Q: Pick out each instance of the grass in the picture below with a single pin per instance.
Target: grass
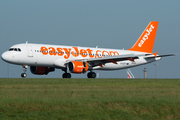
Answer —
(64, 99)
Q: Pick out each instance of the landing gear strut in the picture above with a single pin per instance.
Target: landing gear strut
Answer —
(91, 75)
(23, 75)
(66, 75)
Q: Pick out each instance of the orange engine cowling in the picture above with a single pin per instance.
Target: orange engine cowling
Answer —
(41, 70)
(78, 67)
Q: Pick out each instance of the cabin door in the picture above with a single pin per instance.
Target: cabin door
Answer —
(30, 51)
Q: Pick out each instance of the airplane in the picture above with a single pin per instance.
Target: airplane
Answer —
(45, 58)
(129, 74)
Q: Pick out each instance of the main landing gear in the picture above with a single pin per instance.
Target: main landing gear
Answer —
(23, 75)
(91, 75)
(66, 75)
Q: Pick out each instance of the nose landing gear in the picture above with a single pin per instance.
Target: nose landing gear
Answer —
(24, 75)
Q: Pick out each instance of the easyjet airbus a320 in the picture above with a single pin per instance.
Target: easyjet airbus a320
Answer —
(44, 58)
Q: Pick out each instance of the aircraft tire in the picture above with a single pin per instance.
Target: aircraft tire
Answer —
(23, 75)
(66, 75)
(91, 75)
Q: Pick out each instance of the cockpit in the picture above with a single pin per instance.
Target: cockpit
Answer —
(15, 49)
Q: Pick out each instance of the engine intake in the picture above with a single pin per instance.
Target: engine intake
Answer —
(41, 70)
(78, 67)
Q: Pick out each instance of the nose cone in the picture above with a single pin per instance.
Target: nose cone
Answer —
(5, 56)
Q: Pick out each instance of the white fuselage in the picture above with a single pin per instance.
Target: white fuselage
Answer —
(57, 56)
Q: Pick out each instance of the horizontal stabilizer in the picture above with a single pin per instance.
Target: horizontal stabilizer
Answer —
(162, 55)
(167, 55)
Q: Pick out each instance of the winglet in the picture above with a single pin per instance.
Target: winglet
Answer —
(145, 42)
(155, 54)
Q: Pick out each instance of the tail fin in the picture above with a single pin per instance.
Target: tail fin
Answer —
(145, 42)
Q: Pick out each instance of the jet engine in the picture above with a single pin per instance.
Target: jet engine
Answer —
(41, 70)
(78, 67)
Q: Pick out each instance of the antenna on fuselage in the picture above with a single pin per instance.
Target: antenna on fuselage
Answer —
(26, 42)
(96, 46)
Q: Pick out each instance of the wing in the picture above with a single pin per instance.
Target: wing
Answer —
(114, 59)
(111, 59)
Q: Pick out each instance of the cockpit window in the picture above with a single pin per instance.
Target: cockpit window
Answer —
(15, 49)
(11, 49)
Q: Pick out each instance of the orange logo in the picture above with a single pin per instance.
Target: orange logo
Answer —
(145, 37)
(74, 51)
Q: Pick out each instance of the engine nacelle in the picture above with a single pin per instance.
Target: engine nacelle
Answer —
(41, 70)
(78, 67)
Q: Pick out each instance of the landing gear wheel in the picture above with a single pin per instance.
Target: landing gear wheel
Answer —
(91, 75)
(23, 75)
(66, 75)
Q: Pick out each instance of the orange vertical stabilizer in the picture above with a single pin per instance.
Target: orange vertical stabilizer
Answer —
(145, 42)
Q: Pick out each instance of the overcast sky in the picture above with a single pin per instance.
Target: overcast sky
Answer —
(107, 24)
